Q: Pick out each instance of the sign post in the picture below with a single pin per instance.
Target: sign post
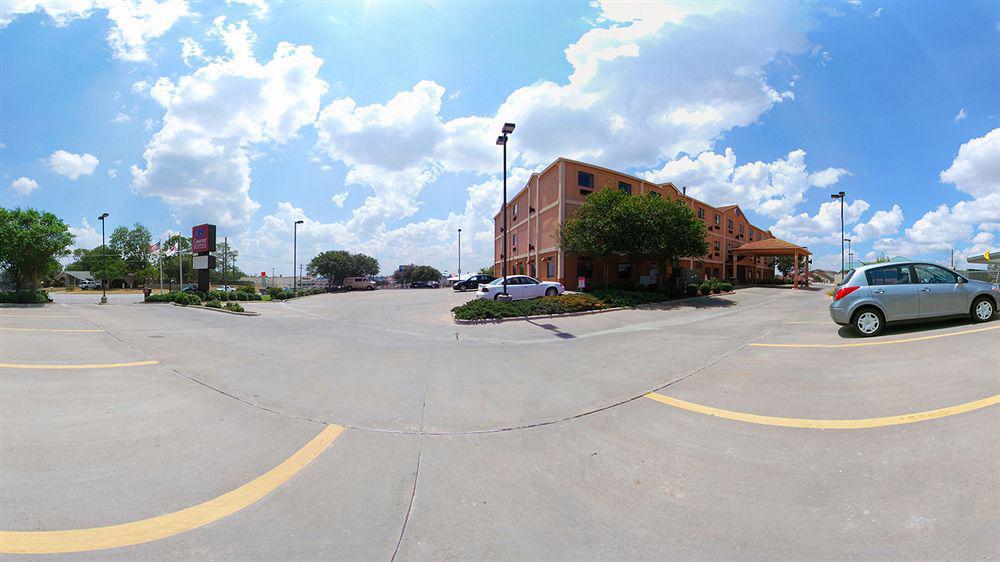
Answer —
(203, 242)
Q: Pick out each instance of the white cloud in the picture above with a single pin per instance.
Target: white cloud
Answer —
(821, 228)
(121, 118)
(85, 235)
(134, 22)
(24, 185)
(72, 165)
(191, 51)
(976, 172)
(961, 115)
(141, 87)
(771, 188)
(221, 115)
(880, 224)
(112, 173)
(260, 7)
(340, 198)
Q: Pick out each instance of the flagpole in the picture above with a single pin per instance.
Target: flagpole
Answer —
(159, 253)
(180, 254)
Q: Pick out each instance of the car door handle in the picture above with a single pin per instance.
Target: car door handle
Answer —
(925, 290)
(879, 291)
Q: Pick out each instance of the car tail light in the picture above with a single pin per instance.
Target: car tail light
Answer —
(844, 291)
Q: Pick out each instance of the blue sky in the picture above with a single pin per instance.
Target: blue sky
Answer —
(374, 122)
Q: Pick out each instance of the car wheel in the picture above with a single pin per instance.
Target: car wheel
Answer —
(496, 297)
(348, 288)
(463, 288)
(551, 292)
(868, 322)
(982, 309)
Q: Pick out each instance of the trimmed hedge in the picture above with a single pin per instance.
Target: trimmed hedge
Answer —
(479, 309)
(213, 304)
(175, 296)
(234, 307)
(24, 297)
(618, 297)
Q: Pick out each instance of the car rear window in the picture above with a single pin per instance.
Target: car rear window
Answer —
(847, 277)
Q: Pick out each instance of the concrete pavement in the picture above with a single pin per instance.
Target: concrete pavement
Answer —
(520, 440)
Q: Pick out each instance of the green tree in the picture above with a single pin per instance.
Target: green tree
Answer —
(29, 240)
(404, 275)
(612, 222)
(424, 273)
(488, 270)
(334, 265)
(225, 254)
(84, 259)
(171, 264)
(132, 246)
(108, 265)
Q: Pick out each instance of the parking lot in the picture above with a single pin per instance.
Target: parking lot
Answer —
(369, 426)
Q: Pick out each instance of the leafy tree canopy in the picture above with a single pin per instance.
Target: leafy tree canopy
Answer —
(337, 264)
(29, 240)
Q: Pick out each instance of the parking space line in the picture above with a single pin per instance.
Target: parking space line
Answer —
(90, 366)
(864, 423)
(870, 343)
(5, 328)
(170, 524)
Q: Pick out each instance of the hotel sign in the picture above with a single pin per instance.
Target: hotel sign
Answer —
(203, 239)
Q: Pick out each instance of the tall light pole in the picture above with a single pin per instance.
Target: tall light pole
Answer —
(295, 243)
(460, 253)
(508, 128)
(104, 255)
(840, 196)
(850, 255)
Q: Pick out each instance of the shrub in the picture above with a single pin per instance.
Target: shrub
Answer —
(184, 299)
(705, 289)
(283, 295)
(478, 309)
(214, 304)
(235, 307)
(716, 289)
(618, 297)
(692, 290)
(249, 289)
(274, 291)
(24, 297)
(726, 286)
(676, 292)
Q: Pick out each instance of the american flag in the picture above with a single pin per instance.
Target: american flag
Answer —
(154, 248)
(173, 249)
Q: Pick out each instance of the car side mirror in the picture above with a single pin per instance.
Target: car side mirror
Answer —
(962, 280)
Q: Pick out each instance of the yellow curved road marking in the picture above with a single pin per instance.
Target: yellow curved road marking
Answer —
(879, 342)
(46, 330)
(91, 366)
(163, 526)
(864, 423)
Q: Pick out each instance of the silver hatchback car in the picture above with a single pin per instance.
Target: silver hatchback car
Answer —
(875, 294)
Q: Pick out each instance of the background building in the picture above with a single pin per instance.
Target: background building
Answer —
(536, 212)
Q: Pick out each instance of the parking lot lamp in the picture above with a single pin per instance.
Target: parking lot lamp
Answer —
(850, 254)
(295, 243)
(460, 253)
(508, 128)
(104, 256)
(840, 196)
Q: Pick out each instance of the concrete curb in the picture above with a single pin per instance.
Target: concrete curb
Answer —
(584, 313)
(213, 309)
(23, 304)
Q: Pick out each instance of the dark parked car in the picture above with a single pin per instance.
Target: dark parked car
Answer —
(189, 288)
(472, 282)
(418, 285)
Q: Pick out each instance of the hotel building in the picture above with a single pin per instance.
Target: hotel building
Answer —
(536, 212)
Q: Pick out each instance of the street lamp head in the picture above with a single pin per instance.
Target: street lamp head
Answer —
(460, 230)
(299, 222)
(102, 217)
(501, 140)
(508, 128)
(837, 195)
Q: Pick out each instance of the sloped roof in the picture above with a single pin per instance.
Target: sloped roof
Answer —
(776, 246)
(79, 274)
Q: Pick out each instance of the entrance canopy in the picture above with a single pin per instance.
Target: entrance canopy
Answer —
(773, 247)
(984, 258)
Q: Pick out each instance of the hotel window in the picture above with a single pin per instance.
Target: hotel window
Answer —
(701, 213)
(624, 271)
(718, 220)
(751, 234)
(729, 224)
(515, 211)
(655, 194)
(583, 179)
(513, 240)
(551, 269)
(625, 187)
(716, 245)
(741, 229)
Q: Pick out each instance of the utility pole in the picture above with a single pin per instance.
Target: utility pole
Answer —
(225, 256)
(508, 128)
(840, 195)
(460, 253)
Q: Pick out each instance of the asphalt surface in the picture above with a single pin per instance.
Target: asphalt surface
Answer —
(369, 426)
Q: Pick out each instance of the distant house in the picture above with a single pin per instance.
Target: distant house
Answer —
(74, 277)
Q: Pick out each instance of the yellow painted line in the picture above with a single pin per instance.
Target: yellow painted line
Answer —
(45, 330)
(864, 423)
(91, 366)
(879, 342)
(163, 526)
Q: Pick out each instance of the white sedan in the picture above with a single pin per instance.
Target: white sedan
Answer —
(520, 287)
